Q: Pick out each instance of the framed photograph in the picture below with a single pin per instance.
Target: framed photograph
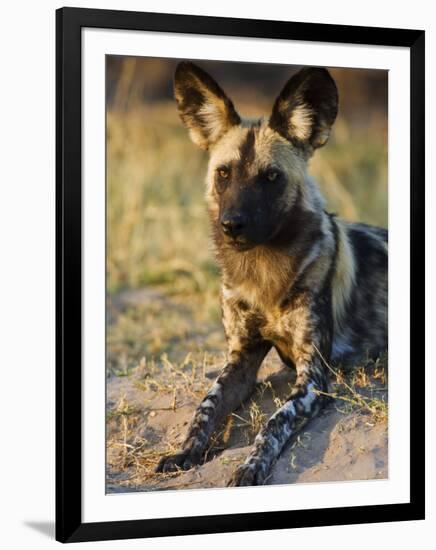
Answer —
(240, 345)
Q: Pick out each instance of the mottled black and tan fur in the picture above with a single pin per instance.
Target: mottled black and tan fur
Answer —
(294, 277)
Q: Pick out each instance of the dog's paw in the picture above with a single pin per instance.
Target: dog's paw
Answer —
(183, 460)
(249, 473)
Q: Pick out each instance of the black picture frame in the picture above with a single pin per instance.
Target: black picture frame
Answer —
(69, 22)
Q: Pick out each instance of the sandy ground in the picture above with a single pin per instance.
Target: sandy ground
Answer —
(149, 411)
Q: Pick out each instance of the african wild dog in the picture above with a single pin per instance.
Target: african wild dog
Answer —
(294, 277)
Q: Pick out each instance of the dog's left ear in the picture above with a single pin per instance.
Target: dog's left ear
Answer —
(306, 108)
(203, 106)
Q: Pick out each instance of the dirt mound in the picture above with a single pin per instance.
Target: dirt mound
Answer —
(149, 410)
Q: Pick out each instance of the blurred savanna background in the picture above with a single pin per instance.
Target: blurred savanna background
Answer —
(165, 343)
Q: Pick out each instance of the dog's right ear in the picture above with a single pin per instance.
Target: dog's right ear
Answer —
(203, 106)
(306, 108)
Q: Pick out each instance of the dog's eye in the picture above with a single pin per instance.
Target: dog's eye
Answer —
(272, 174)
(223, 172)
(223, 178)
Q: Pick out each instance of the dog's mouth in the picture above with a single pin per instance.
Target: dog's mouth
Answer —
(240, 244)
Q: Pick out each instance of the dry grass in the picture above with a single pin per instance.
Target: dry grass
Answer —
(361, 388)
(155, 201)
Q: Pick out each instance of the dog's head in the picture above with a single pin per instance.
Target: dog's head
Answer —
(257, 171)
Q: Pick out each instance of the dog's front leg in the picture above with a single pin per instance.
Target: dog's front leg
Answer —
(234, 384)
(303, 404)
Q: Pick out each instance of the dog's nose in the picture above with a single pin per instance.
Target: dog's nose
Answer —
(233, 225)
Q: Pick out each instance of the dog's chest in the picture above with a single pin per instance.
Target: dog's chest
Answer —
(274, 326)
(283, 327)
(266, 314)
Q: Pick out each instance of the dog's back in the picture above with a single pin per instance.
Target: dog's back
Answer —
(361, 330)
